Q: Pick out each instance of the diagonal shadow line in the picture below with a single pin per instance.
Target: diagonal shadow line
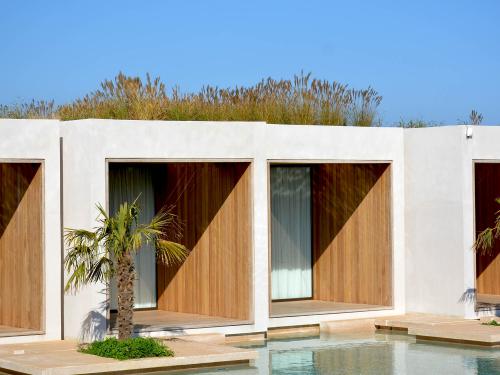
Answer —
(15, 179)
(197, 192)
(333, 201)
(185, 191)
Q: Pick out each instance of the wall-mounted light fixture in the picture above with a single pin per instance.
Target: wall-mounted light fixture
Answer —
(468, 131)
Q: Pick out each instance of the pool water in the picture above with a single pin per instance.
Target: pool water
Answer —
(368, 353)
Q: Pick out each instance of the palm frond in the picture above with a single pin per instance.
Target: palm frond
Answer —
(136, 240)
(102, 212)
(85, 262)
(91, 254)
(81, 236)
(101, 270)
(485, 240)
(149, 231)
(170, 253)
(77, 278)
(168, 223)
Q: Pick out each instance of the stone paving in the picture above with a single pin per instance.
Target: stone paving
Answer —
(443, 328)
(62, 358)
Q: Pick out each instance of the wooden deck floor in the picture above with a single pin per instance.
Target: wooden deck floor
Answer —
(160, 320)
(312, 307)
(7, 331)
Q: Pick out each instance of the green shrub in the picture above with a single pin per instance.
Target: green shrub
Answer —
(492, 322)
(137, 347)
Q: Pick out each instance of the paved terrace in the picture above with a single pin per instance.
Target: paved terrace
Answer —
(62, 358)
(443, 328)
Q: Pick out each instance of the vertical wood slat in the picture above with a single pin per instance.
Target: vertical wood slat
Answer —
(213, 201)
(487, 189)
(352, 251)
(21, 247)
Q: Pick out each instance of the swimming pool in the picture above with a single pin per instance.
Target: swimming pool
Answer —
(366, 353)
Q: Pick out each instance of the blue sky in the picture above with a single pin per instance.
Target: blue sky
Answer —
(431, 60)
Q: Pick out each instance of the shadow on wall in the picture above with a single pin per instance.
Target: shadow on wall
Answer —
(94, 326)
(338, 191)
(197, 191)
(21, 245)
(145, 329)
(210, 200)
(352, 233)
(469, 296)
(15, 179)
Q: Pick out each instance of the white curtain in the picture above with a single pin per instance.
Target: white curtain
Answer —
(291, 275)
(126, 183)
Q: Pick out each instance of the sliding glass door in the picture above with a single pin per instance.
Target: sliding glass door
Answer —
(291, 262)
(126, 183)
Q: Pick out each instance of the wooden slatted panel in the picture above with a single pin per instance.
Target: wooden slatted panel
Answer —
(352, 252)
(21, 249)
(213, 200)
(487, 189)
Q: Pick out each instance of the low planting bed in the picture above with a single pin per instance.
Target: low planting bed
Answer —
(492, 322)
(133, 348)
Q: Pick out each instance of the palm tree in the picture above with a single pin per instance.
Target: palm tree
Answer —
(98, 255)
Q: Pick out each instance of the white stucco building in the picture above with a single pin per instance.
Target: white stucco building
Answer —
(287, 225)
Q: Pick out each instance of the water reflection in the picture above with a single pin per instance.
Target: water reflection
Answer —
(362, 354)
(365, 354)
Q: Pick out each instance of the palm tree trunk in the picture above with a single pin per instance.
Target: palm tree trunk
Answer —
(125, 283)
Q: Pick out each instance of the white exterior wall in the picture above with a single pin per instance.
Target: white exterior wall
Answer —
(27, 140)
(432, 201)
(440, 274)
(439, 197)
(88, 143)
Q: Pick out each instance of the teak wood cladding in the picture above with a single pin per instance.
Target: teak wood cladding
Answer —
(487, 189)
(213, 201)
(21, 248)
(352, 252)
